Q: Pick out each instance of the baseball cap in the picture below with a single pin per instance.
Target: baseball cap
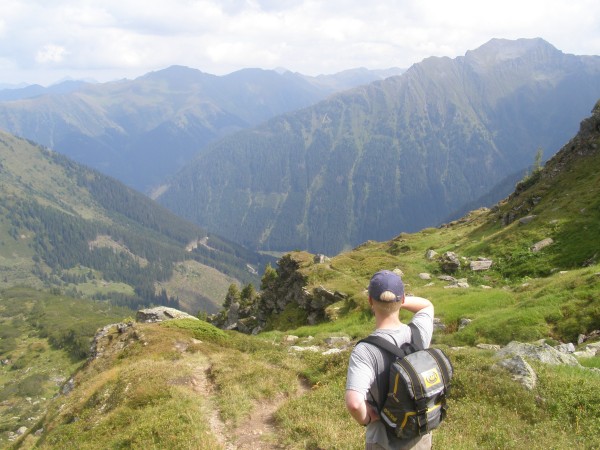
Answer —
(385, 280)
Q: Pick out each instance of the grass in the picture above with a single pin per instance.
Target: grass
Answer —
(36, 368)
(142, 396)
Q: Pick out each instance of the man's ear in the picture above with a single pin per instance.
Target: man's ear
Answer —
(403, 298)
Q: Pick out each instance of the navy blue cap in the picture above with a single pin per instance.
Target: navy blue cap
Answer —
(386, 280)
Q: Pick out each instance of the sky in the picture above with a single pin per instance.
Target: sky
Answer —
(45, 41)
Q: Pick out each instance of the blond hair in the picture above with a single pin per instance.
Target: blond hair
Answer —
(387, 303)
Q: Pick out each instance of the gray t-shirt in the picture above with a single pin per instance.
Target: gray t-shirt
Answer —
(367, 363)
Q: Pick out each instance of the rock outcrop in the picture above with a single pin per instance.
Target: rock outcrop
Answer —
(160, 314)
(514, 356)
(539, 352)
(286, 288)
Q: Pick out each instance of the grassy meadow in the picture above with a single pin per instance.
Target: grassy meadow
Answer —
(147, 396)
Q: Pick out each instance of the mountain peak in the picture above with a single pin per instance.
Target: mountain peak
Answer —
(497, 51)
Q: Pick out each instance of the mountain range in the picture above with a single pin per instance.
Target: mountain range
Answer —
(398, 154)
(140, 131)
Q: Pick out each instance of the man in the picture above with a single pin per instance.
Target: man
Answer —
(368, 363)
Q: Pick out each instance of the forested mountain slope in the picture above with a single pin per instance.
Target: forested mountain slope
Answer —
(396, 155)
(71, 228)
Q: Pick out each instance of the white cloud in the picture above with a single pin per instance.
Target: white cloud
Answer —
(50, 53)
(116, 38)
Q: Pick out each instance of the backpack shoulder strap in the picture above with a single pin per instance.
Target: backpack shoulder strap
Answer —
(416, 343)
(384, 344)
(415, 337)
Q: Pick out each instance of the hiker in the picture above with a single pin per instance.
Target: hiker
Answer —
(369, 365)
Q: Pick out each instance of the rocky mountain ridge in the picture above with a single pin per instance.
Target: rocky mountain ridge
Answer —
(399, 154)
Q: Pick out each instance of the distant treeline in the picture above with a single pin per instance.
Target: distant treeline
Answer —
(61, 240)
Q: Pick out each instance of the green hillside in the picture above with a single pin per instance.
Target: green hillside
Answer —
(67, 227)
(185, 384)
(43, 339)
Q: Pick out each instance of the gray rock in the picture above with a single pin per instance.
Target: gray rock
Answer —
(337, 340)
(488, 347)
(525, 220)
(586, 353)
(296, 348)
(463, 323)
(542, 352)
(447, 278)
(321, 259)
(520, 371)
(541, 244)
(565, 348)
(332, 351)
(424, 276)
(430, 254)
(233, 314)
(67, 387)
(481, 264)
(160, 314)
(450, 262)
(438, 325)
(398, 272)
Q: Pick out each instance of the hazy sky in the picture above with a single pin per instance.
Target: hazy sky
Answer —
(43, 41)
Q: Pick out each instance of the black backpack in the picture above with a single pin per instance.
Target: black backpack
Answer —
(413, 398)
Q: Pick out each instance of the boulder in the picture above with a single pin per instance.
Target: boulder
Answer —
(488, 347)
(233, 314)
(160, 314)
(337, 340)
(297, 348)
(520, 371)
(450, 262)
(525, 220)
(247, 324)
(424, 276)
(398, 272)
(463, 323)
(541, 244)
(481, 264)
(539, 352)
(321, 259)
(332, 351)
(438, 325)
(447, 278)
(430, 254)
(565, 348)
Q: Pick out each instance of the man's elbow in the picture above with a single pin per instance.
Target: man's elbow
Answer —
(354, 401)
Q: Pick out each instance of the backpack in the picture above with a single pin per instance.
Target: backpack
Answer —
(413, 399)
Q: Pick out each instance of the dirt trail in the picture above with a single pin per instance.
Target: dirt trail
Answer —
(257, 432)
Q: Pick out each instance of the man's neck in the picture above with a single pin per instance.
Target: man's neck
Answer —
(387, 322)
